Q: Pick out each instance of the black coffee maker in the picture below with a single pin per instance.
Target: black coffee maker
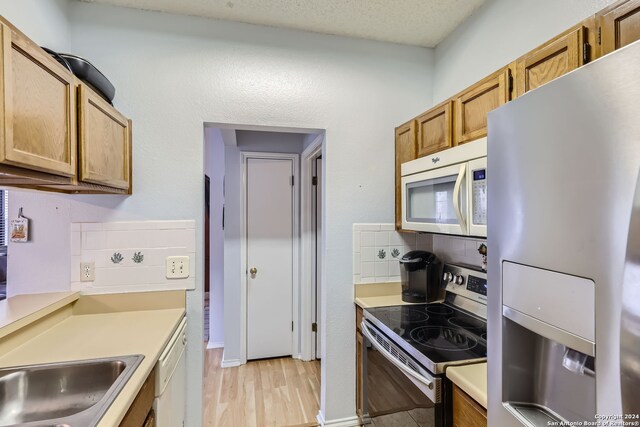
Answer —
(420, 273)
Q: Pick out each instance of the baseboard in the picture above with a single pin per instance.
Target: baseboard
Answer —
(342, 422)
(230, 363)
(219, 344)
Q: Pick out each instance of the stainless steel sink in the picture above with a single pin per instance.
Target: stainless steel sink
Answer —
(63, 394)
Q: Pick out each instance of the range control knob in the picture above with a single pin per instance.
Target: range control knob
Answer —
(459, 280)
(447, 277)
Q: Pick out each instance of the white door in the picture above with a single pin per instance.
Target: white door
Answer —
(270, 237)
(319, 252)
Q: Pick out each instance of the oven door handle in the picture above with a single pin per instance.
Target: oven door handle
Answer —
(404, 368)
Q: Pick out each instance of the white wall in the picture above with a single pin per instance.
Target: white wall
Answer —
(214, 168)
(173, 73)
(45, 22)
(498, 33)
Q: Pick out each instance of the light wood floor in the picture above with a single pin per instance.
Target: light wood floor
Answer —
(273, 392)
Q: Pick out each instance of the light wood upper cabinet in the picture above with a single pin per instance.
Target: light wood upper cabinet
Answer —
(37, 108)
(618, 25)
(435, 129)
(472, 105)
(105, 143)
(405, 152)
(551, 60)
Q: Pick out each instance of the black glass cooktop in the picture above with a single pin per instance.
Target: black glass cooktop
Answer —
(437, 331)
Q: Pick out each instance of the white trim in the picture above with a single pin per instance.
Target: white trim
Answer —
(451, 156)
(230, 363)
(308, 250)
(295, 309)
(217, 344)
(342, 422)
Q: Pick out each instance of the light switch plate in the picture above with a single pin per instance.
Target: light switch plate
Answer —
(177, 267)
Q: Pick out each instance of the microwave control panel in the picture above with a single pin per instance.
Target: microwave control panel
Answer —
(479, 197)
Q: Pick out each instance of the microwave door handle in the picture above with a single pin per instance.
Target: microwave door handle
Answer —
(456, 196)
(408, 371)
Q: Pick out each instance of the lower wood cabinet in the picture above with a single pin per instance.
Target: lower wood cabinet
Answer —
(406, 151)
(359, 365)
(151, 420)
(466, 411)
(618, 25)
(142, 406)
(472, 105)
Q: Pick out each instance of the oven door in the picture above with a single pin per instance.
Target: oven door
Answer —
(398, 391)
(436, 200)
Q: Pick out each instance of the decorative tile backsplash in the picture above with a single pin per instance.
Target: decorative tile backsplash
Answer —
(131, 256)
(377, 249)
(458, 249)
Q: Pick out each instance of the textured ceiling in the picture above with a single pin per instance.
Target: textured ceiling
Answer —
(413, 22)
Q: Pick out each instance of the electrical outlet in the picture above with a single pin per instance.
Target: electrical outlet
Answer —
(87, 272)
(177, 267)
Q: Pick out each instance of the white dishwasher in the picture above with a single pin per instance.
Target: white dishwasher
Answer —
(169, 404)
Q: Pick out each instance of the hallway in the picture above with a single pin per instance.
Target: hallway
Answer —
(271, 392)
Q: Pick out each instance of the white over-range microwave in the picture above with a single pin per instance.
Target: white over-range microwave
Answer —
(447, 192)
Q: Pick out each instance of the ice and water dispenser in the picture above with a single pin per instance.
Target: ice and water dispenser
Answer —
(548, 345)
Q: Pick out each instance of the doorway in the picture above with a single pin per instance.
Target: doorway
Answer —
(271, 251)
(225, 147)
(317, 277)
(231, 151)
(207, 254)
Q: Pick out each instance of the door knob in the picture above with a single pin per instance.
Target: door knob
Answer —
(253, 271)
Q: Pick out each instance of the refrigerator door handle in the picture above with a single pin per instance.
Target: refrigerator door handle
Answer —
(630, 315)
(456, 197)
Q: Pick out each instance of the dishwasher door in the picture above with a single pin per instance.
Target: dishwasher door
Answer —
(169, 404)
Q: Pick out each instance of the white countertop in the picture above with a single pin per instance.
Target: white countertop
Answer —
(97, 327)
(472, 379)
(369, 295)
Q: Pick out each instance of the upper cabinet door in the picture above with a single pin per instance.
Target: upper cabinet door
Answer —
(551, 60)
(105, 142)
(435, 129)
(405, 152)
(475, 102)
(618, 25)
(37, 106)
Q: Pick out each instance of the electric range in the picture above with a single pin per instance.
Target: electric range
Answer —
(436, 334)
(407, 349)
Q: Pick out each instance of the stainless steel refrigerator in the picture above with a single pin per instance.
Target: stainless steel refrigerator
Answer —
(564, 249)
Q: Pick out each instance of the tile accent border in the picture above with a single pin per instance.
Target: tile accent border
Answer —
(377, 249)
(131, 256)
